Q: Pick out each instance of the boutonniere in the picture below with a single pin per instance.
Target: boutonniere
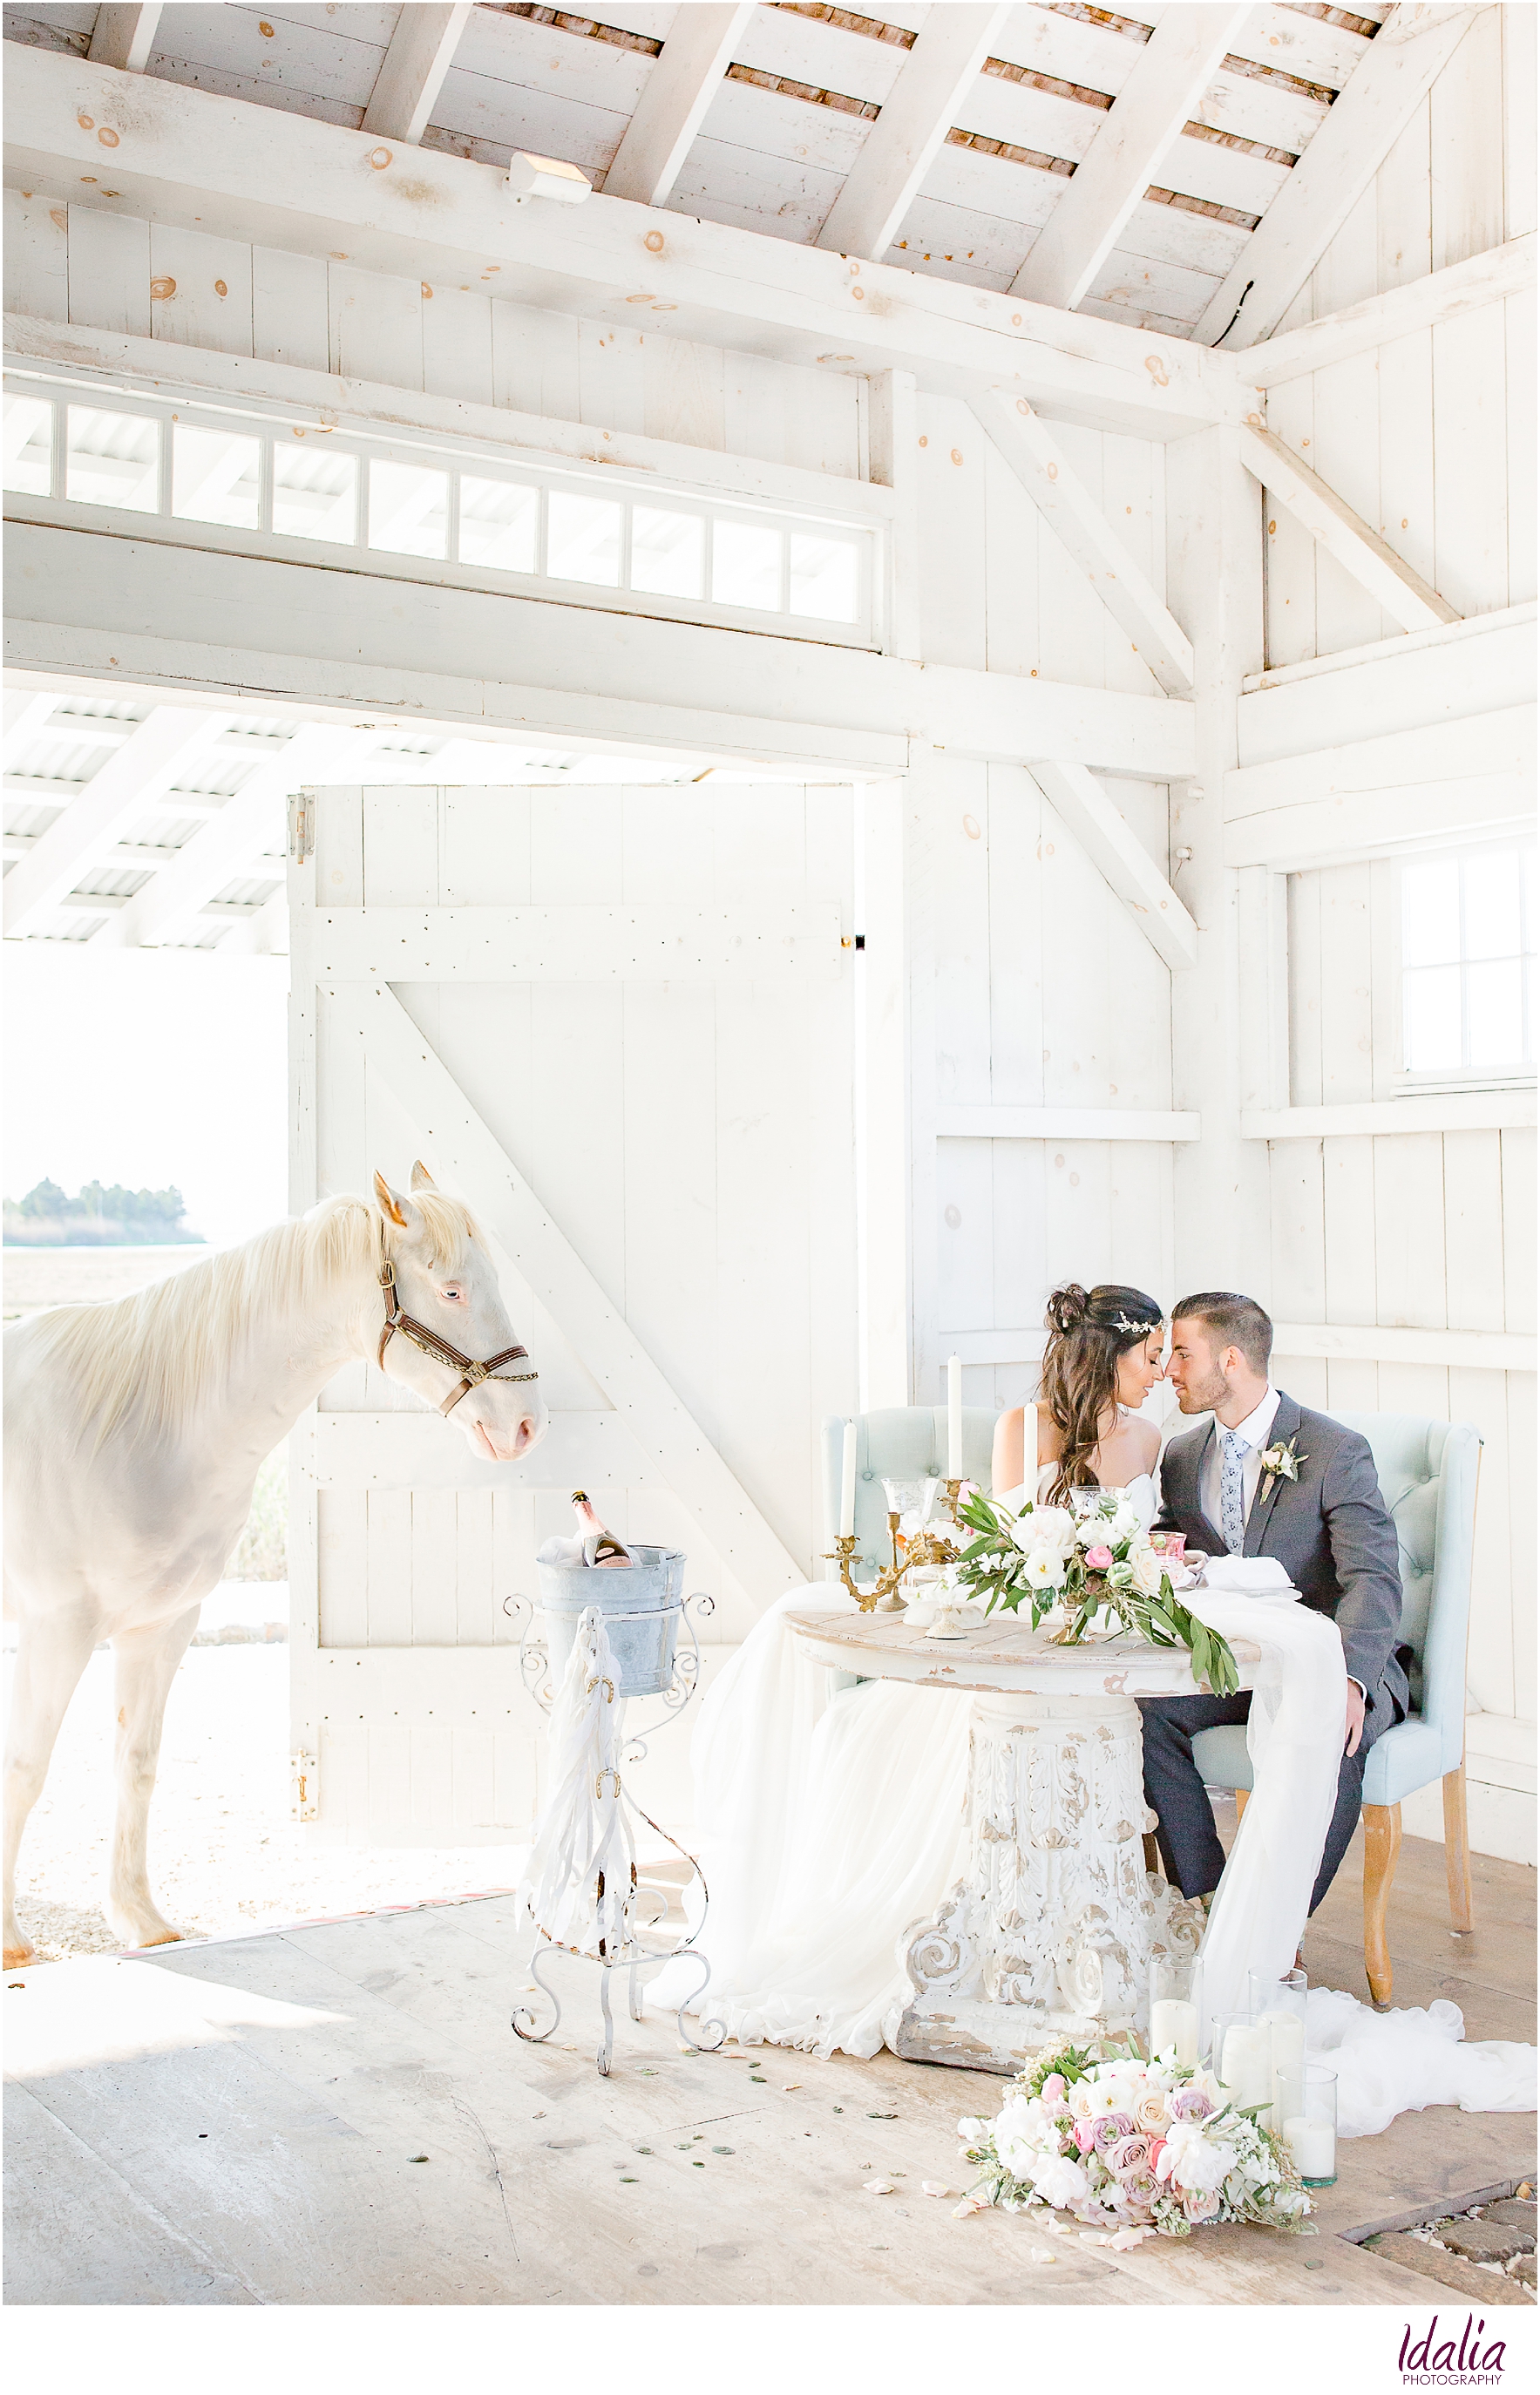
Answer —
(1281, 1462)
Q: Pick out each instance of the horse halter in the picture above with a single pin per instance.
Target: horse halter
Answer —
(429, 1343)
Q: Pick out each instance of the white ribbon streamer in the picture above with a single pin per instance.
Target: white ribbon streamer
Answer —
(578, 1882)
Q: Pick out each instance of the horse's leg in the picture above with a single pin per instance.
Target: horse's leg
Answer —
(147, 1662)
(50, 1657)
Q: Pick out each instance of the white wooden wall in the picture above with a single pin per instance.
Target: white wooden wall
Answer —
(1431, 438)
(122, 274)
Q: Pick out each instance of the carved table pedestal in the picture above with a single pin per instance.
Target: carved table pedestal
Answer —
(1050, 1932)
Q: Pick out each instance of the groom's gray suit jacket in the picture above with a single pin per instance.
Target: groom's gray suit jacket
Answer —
(1329, 1530)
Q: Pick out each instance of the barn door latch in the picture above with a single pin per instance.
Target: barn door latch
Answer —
(302, 825)
(304, 1788)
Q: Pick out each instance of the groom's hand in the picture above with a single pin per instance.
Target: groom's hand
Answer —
(1354, 1718)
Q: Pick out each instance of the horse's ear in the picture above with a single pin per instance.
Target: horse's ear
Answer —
(390, 1204)
(421, 1177)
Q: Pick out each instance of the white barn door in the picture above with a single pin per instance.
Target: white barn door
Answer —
(618, 1022)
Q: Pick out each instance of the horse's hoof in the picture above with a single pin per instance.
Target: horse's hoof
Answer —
(165, 1937)
(17, 1956)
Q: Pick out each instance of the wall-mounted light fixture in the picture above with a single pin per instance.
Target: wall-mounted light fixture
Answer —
(546, 179)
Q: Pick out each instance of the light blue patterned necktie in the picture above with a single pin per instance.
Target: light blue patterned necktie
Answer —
(1232, 1501)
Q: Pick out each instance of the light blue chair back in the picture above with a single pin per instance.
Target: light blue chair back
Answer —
(907, 1443)
(1426, 1473)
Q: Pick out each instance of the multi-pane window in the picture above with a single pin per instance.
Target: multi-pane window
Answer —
(1469, 922)
(711, 555)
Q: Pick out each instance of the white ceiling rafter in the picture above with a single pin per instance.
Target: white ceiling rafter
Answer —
(1028, 446)
(681, 83)
(1166, 88)
(943, 65)
(125, 37)
(1406, 598)
(1370, 113)
(421, 52)
(163, 912)
(128, 785)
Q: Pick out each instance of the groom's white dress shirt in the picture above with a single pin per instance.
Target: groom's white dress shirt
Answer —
(1256, 1431)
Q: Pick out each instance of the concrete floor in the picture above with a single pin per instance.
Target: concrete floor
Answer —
(339, 2115)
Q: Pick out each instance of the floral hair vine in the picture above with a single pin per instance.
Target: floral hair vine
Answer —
(1134, 1329)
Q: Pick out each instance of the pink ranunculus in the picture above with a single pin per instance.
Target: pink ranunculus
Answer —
(1189, 2104)
(1113, 2126)
(1053, 2086)
(1098, 1559)
(1157, 2148)
(1086, 2134)
(1201, 2203)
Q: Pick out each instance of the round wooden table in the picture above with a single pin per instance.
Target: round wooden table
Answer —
(1050, 1932)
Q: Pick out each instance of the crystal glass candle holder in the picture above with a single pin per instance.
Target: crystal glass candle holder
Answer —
(1306, 2119)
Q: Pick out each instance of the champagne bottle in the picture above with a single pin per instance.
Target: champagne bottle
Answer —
(600, 1548)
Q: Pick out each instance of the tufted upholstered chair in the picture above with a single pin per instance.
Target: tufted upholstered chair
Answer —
(1427, 1473)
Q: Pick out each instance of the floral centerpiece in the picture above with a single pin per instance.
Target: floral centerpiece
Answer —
(1141, 2149)
(1093, 1561)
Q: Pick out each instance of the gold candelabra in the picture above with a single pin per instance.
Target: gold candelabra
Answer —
(929, 1547)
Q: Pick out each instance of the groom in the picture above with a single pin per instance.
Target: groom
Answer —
(1319, 1515)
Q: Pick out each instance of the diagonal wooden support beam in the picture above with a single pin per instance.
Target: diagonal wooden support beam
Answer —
(1435, 299)
(681, 85)
(1166, 88)
(1123, 862)
(1415, 605)
(1034, 457)
(421, 52)
(131, 780)
(945, 60)
(1368, 115)
(461, 1150)
(125, 37)
(167, 905)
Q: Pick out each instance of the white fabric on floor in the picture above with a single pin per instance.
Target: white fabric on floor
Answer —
(1403, 2061)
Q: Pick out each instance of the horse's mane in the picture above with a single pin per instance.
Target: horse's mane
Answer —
(153, 1355)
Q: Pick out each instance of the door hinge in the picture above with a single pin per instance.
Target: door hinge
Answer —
(302, 825)
(304, 1788)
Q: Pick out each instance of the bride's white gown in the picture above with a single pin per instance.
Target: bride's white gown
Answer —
(829, 1825)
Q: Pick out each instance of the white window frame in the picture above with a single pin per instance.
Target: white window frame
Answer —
(270, 421)
(1398, 1080)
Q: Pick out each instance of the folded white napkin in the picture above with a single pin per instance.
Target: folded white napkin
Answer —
(1248, 1576)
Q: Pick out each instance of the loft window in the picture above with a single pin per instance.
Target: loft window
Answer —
(1468, 966)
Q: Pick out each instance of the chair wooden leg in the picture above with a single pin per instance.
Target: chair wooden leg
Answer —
(1382, 1837)
(1241, 1796)
(1457, 1851)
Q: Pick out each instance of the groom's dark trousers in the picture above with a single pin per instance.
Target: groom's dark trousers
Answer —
(1330, 1532)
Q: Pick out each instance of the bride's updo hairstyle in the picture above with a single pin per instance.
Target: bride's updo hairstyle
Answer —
(1088, 1330)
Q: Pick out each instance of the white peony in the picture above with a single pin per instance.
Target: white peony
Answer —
(1054, 1526)
(1060, 2181)
(1046, 1568)
(1192, 2161)
(1124, 1522)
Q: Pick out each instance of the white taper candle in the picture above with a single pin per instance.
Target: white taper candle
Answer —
(954, 1417)
(847, 1483)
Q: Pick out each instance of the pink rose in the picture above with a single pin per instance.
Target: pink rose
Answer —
(1086, 2134)
(1053, 2086)
(1129, 2157)
(1201, 2203)
(1152, 2161)
(1098, 1559)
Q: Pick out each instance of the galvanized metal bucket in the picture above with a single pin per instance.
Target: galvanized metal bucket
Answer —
(641, 1607)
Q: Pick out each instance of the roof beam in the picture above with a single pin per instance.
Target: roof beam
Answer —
(945, 60)
(681, 85)
(160, 912)
(421, 52)
(293, 183)
(1435, 299)
(125, 37)
(1165, 88)
(1034, 457)
(1368, 115)
(129, 782)
(26, 713)
(1123, 862)
(1372, 563)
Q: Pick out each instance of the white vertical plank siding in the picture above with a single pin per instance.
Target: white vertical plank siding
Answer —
(200, 290)
(375, 326)
(289, 321)
(109, 271)
(37, 255)
(456, 344)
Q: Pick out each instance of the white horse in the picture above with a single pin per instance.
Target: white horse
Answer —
(134, 1431)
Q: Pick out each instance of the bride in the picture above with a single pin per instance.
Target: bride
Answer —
(831, 1825)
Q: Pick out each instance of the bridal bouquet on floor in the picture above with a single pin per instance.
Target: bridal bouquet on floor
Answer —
(1093, 1561)
(1133, 2147)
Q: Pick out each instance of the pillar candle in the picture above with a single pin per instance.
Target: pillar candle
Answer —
(847, 1483)
(954, 1417)
(1313, 2146)
(1286, 2030)
(1247, 2070)
(1174, 2022)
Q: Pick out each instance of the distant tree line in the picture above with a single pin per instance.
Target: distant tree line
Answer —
(97, 1217)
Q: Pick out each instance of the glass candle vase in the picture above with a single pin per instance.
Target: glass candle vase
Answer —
(1174, 1996)
(1242, 2061)
(1307, 2107)
(1278, 2005)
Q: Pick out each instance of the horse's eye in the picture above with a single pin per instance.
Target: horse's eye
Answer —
(453, 1296)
